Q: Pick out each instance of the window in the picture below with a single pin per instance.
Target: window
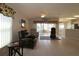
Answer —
(5, 30)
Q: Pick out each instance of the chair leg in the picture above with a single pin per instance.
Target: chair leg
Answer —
(9, 51)
(22, 51)
(14, 53)
(18, 52)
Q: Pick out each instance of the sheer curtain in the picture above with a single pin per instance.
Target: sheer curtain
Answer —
(5, 30)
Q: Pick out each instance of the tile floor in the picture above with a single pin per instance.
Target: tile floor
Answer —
(64, 47)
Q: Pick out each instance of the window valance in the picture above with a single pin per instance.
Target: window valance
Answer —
(6, 10)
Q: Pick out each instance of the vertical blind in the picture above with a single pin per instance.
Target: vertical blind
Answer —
(5, 30)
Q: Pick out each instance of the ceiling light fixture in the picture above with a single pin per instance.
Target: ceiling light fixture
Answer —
(43, 15)
(76, 16)
(70, 18)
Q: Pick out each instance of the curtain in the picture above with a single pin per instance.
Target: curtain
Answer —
(5, 30)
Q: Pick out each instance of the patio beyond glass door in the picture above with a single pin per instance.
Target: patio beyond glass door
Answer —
(44, 28)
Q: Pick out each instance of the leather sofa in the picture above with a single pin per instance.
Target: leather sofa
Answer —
(27, 39)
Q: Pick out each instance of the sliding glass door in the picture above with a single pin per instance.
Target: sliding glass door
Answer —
(44, 28)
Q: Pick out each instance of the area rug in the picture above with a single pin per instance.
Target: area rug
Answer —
(47, 38)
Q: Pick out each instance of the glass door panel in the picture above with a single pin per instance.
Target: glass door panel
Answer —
(44, 28)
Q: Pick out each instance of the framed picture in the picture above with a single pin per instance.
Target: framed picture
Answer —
(23, 23)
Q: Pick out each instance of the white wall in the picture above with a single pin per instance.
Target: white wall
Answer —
(72, 34)
(16, 26)
(67, 25)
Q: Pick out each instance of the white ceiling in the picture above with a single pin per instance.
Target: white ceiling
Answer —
(50, 9)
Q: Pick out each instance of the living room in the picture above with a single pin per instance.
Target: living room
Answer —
(27, 16)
